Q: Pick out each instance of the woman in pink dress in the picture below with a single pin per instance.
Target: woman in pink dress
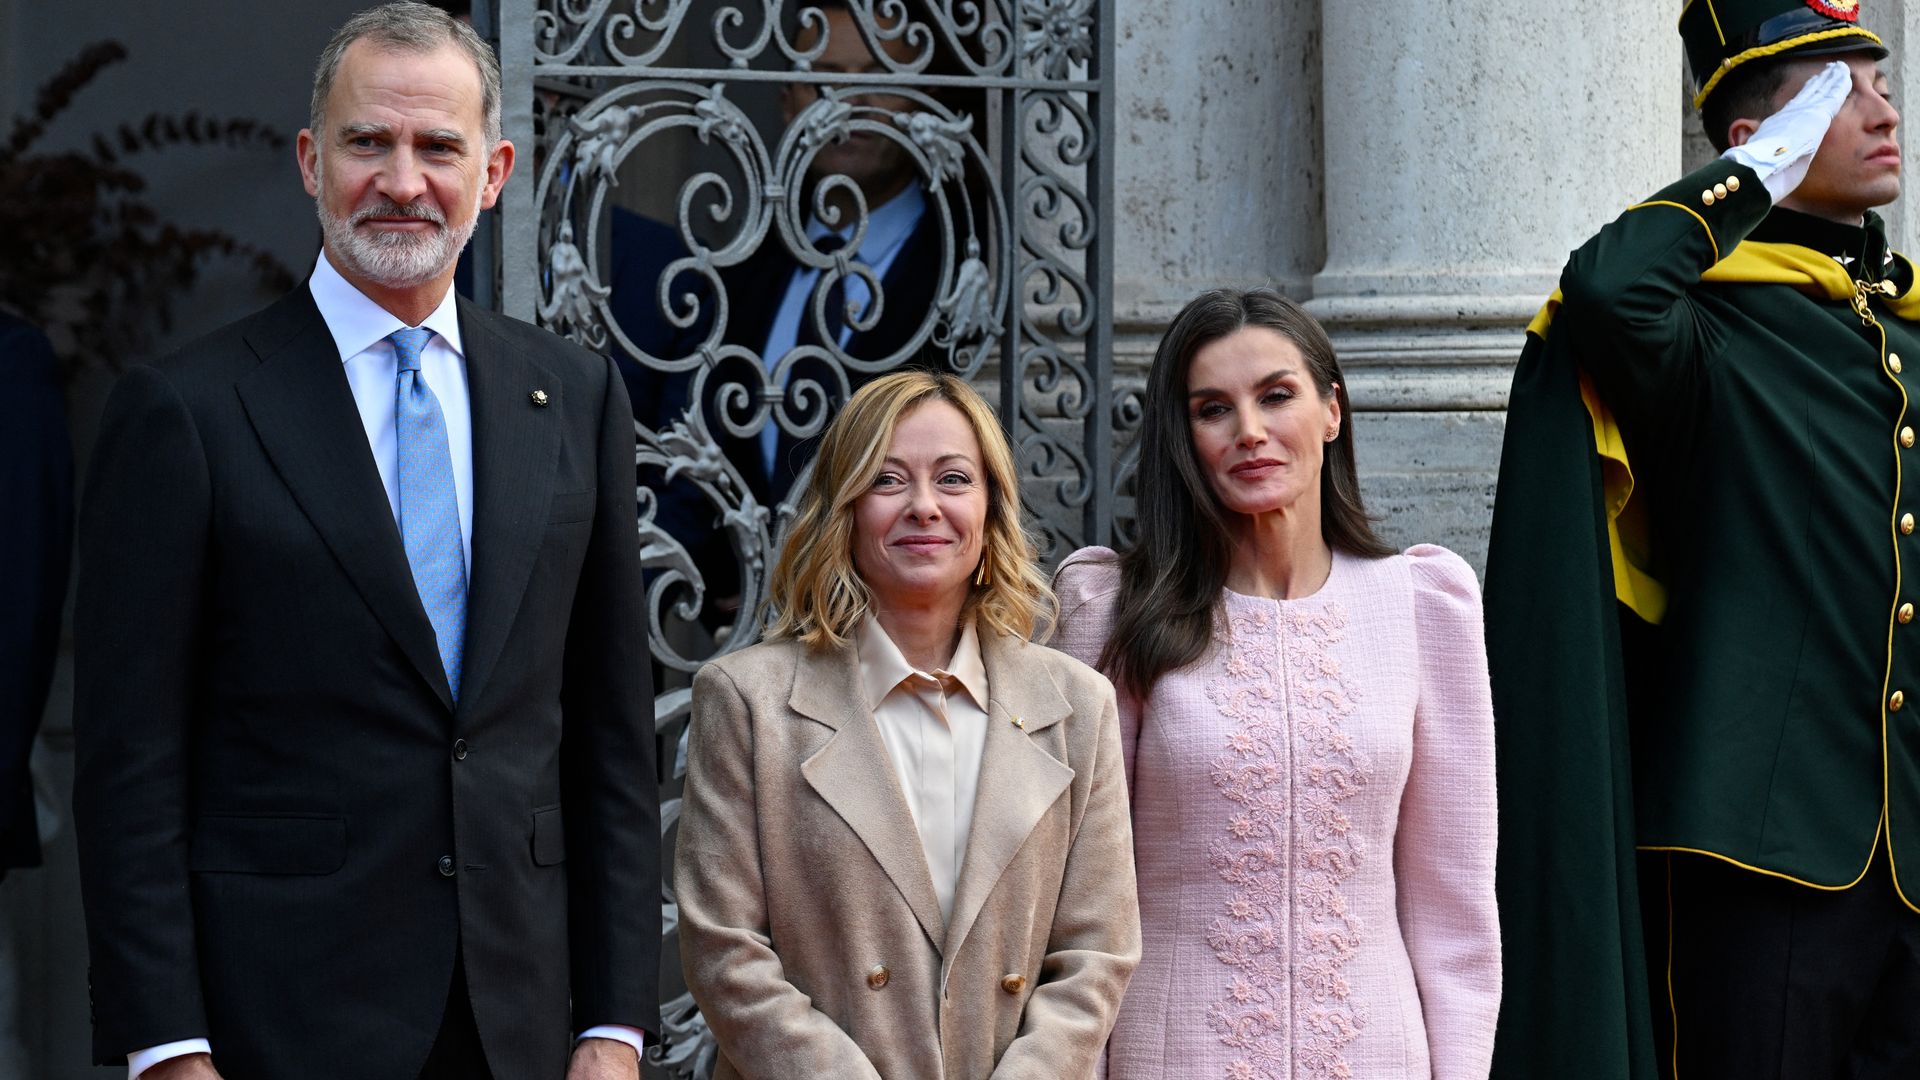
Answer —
(1307, 734)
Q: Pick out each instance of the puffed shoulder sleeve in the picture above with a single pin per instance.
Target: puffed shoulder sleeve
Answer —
(1444, 849)
(1087, 585)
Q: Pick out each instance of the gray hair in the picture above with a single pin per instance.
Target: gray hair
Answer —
(408, 27)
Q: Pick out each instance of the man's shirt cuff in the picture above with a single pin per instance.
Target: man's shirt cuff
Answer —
(632, 1036)
(148, 1058)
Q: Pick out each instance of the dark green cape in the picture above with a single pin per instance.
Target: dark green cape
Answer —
(1575, 1004)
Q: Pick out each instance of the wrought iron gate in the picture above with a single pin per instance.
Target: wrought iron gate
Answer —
(654, 142)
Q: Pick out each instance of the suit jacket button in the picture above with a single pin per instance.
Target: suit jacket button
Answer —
(1013, 984)
(459, 749)
(446, 866)
(878, 977)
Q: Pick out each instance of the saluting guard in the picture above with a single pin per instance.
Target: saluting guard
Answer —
(1701, 594)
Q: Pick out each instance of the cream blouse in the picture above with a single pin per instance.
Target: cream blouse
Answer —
(935, 727)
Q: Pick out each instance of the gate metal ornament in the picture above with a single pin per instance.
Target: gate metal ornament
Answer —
(1003, 108)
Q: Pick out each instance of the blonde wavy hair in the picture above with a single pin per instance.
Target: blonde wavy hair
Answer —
(817, 597)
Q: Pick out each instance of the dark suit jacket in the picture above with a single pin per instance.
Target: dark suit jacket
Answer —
(755, 289)
(641, 249)
(287, 830)
(36, 541)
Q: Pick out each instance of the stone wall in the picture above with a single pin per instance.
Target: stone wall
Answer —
(1415, 172)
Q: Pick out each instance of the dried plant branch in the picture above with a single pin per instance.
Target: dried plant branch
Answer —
(82, 254)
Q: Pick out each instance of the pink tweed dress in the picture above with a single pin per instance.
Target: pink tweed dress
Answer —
(1313, 829)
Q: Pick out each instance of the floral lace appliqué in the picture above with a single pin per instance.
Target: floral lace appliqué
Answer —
(1279, 683)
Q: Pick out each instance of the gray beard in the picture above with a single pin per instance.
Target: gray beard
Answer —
(395, 260)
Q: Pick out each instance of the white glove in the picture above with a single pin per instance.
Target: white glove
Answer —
(1783, 146)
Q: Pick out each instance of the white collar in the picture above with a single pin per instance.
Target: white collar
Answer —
(888, 225)
(357, 323)
(883, 666)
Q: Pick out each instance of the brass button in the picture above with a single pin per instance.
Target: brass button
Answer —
(1906, 613)
(1706, 196)
(1719, 191)
(878, 977)
(1893, 362)
(1733, 183)
(1906, 524)
(1898, 699)
(1013, 984)
(1906, 437)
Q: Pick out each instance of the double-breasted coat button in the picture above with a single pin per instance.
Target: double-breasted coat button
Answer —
(878, 977)
(446, 866)
(1906, 613)
(1906, 437)
(1013, 984)
(1906, 523)
(459, 749)
(1898, 699)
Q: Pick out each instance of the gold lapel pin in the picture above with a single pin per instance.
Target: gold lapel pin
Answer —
(540, 398)
(1020, 723)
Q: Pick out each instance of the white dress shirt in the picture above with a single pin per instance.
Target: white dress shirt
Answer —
(935, 727)
(359, 328)
(888, 227)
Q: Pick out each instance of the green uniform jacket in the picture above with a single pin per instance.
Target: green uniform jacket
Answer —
(1763, 719)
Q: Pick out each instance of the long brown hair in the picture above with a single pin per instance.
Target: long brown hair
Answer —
(1173, 577)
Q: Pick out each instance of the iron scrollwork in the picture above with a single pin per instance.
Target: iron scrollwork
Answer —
(995, 105)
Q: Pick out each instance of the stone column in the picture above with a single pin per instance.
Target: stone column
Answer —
(1217, 169)
(1898, 24)
(1466, 153)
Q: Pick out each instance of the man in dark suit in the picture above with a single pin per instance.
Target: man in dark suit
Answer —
(36, 538)
(772, 292)
(771, 295)
(345, 808)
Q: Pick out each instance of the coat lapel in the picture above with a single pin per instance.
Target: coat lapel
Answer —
(1019, 780)
(854, 774)
(303, 411)
(515, 453)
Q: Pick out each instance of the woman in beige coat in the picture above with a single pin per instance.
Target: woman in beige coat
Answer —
(904, 849)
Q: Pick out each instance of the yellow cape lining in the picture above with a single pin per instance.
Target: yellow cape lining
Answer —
(1627, 528)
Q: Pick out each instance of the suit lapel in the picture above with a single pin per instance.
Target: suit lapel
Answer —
(855, 775)
(303, 411)
(515, 452)
(1019, 780)
(910, 288)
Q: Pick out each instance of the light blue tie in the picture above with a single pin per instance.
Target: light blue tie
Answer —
(429, 509)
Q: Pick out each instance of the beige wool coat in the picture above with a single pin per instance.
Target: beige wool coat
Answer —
(809, 929)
